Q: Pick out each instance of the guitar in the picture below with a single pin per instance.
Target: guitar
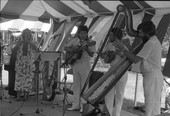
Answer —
(74, 55)
(51, 83)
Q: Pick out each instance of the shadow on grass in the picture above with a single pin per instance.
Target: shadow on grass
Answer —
(128, 105)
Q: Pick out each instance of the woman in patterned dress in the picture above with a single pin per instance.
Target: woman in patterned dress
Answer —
(24, 64)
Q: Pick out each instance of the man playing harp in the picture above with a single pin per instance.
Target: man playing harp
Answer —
(150, 66)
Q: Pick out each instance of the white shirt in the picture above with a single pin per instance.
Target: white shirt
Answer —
(151, 54)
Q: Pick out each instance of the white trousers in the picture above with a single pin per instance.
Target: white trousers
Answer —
(116, 93)
(80, 73)
(152, 85)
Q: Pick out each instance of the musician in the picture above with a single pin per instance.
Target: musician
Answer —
(81, 67)
(150, 66)
(117, 92)
(24, 64)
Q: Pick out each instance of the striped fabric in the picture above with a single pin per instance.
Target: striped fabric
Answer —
(42, 9)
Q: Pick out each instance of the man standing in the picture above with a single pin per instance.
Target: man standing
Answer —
(150, 57)
(81, 66)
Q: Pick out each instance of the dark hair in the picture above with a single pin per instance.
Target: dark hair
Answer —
(117, 32)
(82, 28)
(23, 33)
(145, 38)
(149, 28)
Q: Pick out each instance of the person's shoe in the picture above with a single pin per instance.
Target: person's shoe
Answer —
(81, 107)
(73, 108)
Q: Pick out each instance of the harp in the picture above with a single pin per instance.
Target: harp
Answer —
(97, 91)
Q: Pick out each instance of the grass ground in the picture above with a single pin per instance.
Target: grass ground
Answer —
(128, 106)
(129, 95)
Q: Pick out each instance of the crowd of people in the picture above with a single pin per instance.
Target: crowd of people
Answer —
(22, 62)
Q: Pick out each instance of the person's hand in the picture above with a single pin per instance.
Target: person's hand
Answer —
(120, 45)
(66, 48)
(86, 48)
(83, 43)
(70, 48)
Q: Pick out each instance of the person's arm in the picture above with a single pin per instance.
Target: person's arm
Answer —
(91, 53)
(90, 50)
(142, 55)
(69, 47)
(135, 59)
(132, 57)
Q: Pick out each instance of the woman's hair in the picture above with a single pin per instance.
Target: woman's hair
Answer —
(117, 32)
(26, 31)
(149, 28)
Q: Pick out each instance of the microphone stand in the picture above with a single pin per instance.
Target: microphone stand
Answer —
(64, 65)
(1, 86)
(65, 90)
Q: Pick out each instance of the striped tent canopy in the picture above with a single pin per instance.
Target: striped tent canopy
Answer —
(43, 10)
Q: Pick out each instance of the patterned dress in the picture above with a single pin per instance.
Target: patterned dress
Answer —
(24, 66)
